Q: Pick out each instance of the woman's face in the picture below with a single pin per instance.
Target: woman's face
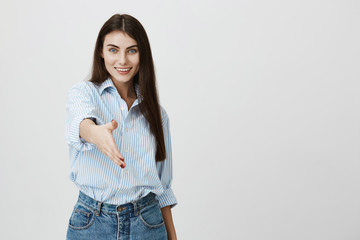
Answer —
(121, 56)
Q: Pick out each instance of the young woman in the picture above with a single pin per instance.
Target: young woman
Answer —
(119, 141)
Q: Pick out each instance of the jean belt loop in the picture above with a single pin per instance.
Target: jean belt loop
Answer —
(136, 210)
(98, 210)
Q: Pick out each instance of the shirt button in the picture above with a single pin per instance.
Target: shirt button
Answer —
(126, 171)
(126, 129)
(126, 150)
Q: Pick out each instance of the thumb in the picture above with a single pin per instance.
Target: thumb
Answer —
(112, 125)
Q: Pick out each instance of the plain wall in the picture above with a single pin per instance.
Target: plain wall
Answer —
(263, 99)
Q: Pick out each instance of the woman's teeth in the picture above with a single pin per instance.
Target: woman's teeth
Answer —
(123, 69)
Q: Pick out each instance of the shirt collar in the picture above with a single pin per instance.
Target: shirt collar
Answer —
(108, 83)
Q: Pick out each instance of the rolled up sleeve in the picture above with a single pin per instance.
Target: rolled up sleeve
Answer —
(79, 105)
(164, 168)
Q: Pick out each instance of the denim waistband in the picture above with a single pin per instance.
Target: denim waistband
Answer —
(131, 207)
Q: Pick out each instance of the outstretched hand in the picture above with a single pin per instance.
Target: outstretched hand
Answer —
(105, 141)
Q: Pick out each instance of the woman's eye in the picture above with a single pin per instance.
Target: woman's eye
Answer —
(132, 51)
(113, 50)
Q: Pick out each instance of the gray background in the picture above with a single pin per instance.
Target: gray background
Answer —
(263, 98)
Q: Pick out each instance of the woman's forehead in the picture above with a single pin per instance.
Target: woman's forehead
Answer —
(120, 39)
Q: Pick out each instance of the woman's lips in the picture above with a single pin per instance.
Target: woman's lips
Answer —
(123, 71)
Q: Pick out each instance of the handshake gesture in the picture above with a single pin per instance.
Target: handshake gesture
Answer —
(102, 137)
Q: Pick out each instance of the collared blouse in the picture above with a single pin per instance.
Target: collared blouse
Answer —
(95, 174)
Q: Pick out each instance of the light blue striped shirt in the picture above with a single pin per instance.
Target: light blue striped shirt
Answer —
(97, 175)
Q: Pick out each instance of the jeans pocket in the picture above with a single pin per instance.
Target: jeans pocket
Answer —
(151, 216)
(82, 217)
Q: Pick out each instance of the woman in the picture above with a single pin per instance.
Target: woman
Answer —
(119, 141)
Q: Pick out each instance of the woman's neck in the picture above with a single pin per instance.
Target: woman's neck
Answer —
(126, 91)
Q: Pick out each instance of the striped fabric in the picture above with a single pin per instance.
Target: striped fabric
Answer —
(97, 175)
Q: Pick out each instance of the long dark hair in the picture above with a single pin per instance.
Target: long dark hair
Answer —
(145, 77)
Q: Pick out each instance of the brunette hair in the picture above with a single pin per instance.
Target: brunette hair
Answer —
(145, 77)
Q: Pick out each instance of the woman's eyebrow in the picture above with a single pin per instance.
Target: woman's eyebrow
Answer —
(112, 45)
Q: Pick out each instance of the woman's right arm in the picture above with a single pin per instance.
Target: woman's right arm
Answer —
(87, 130)
(82, 133)
(102, 137)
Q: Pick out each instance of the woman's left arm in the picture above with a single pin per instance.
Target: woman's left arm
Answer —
(169, 224)
(167, 199)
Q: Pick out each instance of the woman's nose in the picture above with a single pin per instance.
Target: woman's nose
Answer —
(122, 58)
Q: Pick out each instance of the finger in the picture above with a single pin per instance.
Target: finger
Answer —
(117, 160)
(111, 125)
(119, 155)
(122, 164)
(112, 147)
(116, 151)
(114, 124)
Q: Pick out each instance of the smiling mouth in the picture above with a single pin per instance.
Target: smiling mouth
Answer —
(123, 69)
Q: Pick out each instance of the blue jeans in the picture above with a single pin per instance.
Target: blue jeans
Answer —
(140, 219)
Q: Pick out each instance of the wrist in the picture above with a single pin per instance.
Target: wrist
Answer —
(87, 130)
(93, 133)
